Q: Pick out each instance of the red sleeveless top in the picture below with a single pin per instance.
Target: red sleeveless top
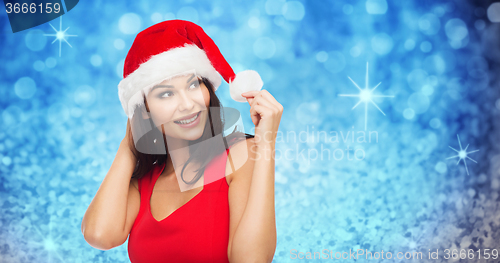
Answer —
(197, 232)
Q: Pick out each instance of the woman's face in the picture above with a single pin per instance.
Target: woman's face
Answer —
(174, 102)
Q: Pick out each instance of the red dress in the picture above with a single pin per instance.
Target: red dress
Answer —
(197, 232)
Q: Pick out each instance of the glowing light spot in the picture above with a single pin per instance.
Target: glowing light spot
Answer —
(35, 40)
(170, 15)
(456, 29)
(264, 48)
(409, 44)
(435, 123)
(95, 60)
(365, 95)
(417, 78)
(119, 44)
(409, 114)
(434, 63)
(6, 160)
(376, 7)
(39, 65)
(321, 56)
(84, 96)
(426, 46)
(382, 43)
(462, 154)
(427, 90)
(50, 62)
(156, 17)
(441, 168)
(355, 51)
(480, 24)
(49, 244)
(25, 88)
(494, 12)
(274, 7)
(429, 24)
(254, 22)
(293, 10)
(60, 35)
(129, 23)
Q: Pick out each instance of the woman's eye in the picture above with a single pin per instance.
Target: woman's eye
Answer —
(194, 85)
(164, 95)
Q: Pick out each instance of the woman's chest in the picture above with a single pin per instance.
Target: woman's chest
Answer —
(197, 232)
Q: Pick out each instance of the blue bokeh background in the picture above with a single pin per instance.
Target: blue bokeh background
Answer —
(61, 121)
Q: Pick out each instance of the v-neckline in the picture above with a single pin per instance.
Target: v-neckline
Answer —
(171, 214)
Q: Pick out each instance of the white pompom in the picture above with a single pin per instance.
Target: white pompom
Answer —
(244, 81)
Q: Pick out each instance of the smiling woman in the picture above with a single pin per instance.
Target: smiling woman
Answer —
(178, 187)
(193, 99)
(168, 103)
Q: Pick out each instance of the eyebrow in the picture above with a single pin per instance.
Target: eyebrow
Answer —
(170, 86)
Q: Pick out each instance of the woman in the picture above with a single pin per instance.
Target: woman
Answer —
(224, 212)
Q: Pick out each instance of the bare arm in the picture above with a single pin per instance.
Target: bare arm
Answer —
(251, 197)
(253, 233)
(112, 212)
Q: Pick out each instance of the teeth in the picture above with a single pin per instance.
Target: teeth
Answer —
(188, 120)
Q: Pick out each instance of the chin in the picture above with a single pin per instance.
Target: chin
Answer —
(191, 135)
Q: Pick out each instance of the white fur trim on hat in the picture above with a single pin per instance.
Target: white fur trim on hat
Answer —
(244, 81)
(161, 67)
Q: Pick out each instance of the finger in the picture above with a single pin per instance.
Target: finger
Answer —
(277, 106)
(265, 95)
(255, 116)
(249, 100)
(266, 110)
(261, 111)
(251, 93)
(270, 98)
(261, 100)
(256, 96)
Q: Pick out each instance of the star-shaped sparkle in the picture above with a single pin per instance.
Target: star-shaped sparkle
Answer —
(49, 243)
(60, 35)
(462, 154)
(366, 96)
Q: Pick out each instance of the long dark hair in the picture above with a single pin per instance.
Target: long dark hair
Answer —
(203, 153)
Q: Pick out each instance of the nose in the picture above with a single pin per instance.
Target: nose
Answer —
(186, 103)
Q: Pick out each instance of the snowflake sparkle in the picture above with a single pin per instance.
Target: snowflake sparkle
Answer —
(366, 96)
(462, 154)
(60, 35)
(48, 243)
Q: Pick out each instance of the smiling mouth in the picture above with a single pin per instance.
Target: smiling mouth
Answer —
(188, 119)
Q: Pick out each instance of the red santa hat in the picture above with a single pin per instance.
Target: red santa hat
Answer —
(171, 48)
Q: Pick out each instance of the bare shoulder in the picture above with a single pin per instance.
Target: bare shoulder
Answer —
(241, 156)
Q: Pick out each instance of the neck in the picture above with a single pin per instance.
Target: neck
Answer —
(178, 151)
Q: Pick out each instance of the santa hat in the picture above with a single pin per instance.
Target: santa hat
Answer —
(171, 48)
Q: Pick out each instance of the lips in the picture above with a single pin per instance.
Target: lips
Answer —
(188, 117)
